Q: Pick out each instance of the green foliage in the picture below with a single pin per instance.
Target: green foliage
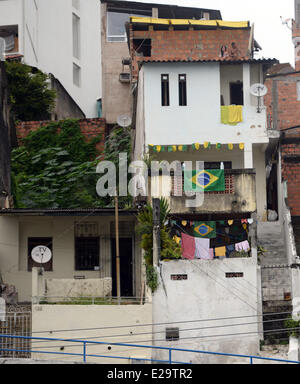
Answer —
(169, 248)
(293, 327)
(151, 277)
(55, 168)
(118, 141)
(30, 96)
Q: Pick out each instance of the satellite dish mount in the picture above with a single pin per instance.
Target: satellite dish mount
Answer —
(258, 90)
(124, 121)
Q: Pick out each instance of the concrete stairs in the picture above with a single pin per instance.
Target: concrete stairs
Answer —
(276, 276)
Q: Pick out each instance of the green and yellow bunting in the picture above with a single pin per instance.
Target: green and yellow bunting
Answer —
(204, 181)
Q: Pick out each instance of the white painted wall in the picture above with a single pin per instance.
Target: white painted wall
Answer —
(14, 233)
(207, 294)
(71, 317)
(45, 38)
(200, 120)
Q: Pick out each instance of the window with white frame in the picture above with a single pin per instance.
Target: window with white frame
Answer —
(116, 25)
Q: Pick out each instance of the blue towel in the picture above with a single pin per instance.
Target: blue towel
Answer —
(229, 249)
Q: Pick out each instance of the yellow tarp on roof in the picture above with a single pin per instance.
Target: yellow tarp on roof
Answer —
(149, 20)
(233, 24)
(212, 23)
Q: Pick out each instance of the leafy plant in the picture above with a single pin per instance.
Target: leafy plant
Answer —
(169, 248)
(151, 277)
(293, 327)
(30, 95)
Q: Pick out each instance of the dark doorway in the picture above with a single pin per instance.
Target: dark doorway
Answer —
(236, 93)
(126, 267)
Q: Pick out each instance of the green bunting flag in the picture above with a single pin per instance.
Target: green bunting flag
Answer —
(206, 230)
(208, 181)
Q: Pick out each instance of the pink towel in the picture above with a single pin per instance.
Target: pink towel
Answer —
(244, 246)
(188, 247)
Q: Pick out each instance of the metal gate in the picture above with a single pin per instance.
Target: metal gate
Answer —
(15, 324)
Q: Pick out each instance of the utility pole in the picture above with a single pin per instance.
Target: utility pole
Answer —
(156, 231)
(117, 248)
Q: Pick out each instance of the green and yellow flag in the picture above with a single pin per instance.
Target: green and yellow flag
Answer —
(206, 230)
(204, 181)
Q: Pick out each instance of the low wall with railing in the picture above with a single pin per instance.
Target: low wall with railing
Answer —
(239, 195)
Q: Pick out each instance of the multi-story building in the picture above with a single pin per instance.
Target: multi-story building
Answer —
(61, 38)
(194, 103)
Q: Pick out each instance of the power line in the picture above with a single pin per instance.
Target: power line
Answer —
(164, 323)
(181, 330)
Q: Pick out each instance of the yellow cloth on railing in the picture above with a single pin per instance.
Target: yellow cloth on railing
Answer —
(231, 114)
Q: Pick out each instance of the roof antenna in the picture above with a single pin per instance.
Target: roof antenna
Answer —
(286, 22)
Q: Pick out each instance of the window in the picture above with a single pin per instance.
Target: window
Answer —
(76, 36)
(35, 242)
(116, 23)
(165, 97)
(87, 251)
(76, 75)
(182, 90)
(236, 93)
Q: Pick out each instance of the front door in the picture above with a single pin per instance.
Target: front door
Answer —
(126, 267)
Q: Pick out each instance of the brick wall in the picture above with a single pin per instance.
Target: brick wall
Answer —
(188, 44)
(89, 127)
(288, 106)
(290, 151)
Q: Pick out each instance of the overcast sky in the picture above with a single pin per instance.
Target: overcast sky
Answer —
(270, 33)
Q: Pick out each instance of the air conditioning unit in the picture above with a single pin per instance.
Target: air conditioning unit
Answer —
(126, 61)
(124, 77)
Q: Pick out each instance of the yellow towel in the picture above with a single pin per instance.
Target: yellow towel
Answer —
(235, 114)
(220, 252)
(231, 114)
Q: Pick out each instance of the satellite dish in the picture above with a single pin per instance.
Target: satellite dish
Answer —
(41, 254)
(258, 90)
(124, 120)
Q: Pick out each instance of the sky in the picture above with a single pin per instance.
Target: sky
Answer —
(274, 37)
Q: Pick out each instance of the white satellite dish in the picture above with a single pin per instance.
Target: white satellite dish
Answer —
(258, 90)
(41, 254)
(124, 121)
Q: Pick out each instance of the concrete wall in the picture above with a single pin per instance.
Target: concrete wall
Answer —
(14, 232)
(46, 41)
(117, 97)
(98, 317)
(208, 294)
(200, 120)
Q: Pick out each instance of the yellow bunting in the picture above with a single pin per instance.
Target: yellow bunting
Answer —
(174, 148)
(230, 222)
(206, 144)
(245, 226)
(151, 145)
(197, 146)
(230, 147)
(158, 148)
(180, 148)
(242, 146)
(184, 223)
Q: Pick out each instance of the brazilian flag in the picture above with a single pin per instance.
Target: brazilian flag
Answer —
(206, 230)
(207, 181)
